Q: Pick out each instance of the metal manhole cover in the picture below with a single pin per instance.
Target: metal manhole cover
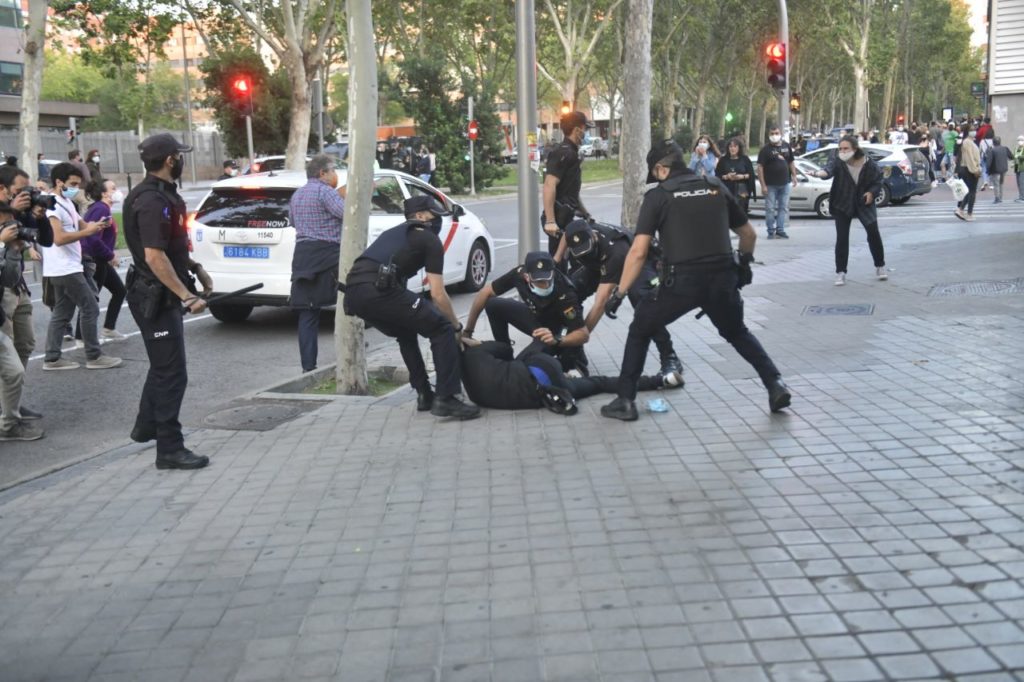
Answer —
(980, 287)
(840, 309)
(258, 416)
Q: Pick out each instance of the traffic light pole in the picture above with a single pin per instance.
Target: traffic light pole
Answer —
(784, 95)
(526, 121)
(472, 158)
(248, 129)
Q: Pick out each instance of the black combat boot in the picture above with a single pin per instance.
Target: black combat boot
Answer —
(143, 433)
(620, 408)
(450, 406)
(670, 363)
(558, 400)
(182, 459)
(779, 396)
(424, 399)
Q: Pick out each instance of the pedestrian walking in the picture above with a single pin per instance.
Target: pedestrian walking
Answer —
(376, 291)
(160, 291)
(316, 210)
(704, 157)
(856, 181)
(563, 178)
(737, 172)
(997, 160)
(100, 247)
(1018, 168)
(692, 217)
(92, 162)
(776, 172)
(969, 170)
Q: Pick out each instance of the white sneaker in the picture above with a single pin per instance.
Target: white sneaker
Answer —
(111, 334)
(102, 362)
(882, 274)
(59, 364)
(840, 279)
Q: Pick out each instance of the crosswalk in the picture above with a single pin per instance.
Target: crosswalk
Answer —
(984, 210)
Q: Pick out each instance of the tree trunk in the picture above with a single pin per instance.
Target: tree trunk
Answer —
(636, 116)
(698, 114)
(362, 117)
(885, 115)
(32, 81)
(302, 111)
(764, 121)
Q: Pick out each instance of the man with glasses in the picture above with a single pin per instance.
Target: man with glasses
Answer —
(316, 211)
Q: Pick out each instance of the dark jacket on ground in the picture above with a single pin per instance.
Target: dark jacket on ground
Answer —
(314, 274)
(847, 198)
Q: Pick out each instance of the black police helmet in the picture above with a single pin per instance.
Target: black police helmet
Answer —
(579, 237)
(659, 152)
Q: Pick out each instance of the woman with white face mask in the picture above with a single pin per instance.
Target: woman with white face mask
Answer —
(704, 157)
(100, 248)
(856, 181)
(92, 162)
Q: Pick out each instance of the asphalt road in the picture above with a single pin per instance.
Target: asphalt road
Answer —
(91, 412)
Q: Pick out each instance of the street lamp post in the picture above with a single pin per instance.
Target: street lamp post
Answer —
(526, 116)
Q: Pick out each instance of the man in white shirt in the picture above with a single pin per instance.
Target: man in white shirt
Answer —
(62, 263)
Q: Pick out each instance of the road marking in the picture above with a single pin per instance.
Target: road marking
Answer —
(126, 336)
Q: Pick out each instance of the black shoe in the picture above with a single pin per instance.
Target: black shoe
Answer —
(29, 415)
(143, 434)
(450, 406)
(778, 394)
(424, 400)
(671, 363)
(182, 459)
(620, 408)
(558, 400)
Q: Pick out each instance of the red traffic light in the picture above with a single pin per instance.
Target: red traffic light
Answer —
(474, 130)
(776, 63)
(775, 50)
(242, 85)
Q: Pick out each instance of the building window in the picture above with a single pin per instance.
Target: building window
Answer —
(10, 14)
(10, 78)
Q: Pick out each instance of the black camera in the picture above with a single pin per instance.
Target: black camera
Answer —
(41, 199)
(27, 234)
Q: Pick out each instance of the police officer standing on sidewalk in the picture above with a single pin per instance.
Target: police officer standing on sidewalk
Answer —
(375, 290)
(692, 217)
(159, 284)
(563, 179)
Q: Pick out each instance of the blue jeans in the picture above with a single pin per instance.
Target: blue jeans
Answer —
(776, 208)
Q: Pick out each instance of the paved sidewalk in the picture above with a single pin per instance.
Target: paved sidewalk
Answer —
(874, 531)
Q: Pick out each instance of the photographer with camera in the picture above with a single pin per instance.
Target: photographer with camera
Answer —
(29, 207)
(12, 370)
(62, 263)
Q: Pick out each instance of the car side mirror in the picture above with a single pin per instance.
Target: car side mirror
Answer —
(458, 211)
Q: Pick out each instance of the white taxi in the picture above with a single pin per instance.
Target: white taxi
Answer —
(242, 234)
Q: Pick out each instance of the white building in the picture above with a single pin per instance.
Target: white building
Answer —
(1006, 68)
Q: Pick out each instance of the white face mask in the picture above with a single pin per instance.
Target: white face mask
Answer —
(775, 139)
(702, 146)
(96, 159)
(845, 156)
(117, 196)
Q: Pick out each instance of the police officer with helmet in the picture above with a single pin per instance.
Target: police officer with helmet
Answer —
(548, 309)
(692, 216)
(375, 290)
(160, 288)
(599, 252)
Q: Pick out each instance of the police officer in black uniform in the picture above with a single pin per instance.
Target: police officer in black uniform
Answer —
(493, 378)
(563, 179)
(548, 309)
(159, 284)
(598, 253)
(375, 290)
(692, 216)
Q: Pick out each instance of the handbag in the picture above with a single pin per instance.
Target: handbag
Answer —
(959, 188)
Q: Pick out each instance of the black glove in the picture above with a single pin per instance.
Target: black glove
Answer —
(613, 303)
(744, 275)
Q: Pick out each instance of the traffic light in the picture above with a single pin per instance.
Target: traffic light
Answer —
(242, 86)
(794, 103)
(474, 130)
(240, 92)
(728, 117)
(566, 107)
(776, 63)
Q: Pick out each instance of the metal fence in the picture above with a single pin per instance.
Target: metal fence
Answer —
(119, 150)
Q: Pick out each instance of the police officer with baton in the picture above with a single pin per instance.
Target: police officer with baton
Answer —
(692, 216)
(160, 290)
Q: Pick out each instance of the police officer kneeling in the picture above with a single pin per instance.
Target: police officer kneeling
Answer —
(158, 284)
(692, 216)
(375, 290)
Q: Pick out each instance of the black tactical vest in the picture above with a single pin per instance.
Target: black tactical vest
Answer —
(696, 225)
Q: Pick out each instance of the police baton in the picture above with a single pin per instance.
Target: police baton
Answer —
(231, 294)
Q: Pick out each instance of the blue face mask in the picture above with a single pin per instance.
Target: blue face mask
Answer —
(543, 293)
(69, 192)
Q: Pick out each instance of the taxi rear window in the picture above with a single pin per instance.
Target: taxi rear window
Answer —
(246, 207)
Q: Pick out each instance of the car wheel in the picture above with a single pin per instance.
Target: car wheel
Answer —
(821, 207)
(478, 266)
(883, 197)
(900, 202)
(226, 312)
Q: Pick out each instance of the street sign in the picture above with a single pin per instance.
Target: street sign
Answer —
(978, 89)
(947, 113)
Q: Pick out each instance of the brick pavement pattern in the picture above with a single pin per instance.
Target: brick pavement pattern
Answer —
(872, 532)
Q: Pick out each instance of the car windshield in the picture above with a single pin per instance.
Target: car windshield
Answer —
(271, 165)
(246, 207)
